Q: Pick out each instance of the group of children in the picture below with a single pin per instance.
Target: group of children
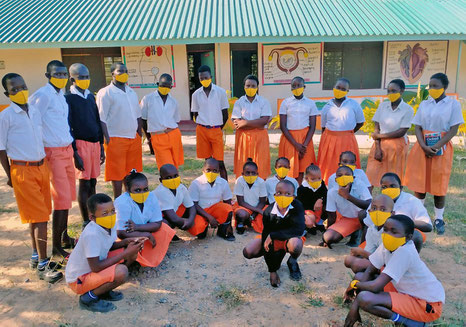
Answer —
(45, 135)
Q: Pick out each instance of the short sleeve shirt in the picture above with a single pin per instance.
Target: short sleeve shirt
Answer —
(127, 209)
(243, 109)
(373, 238)
(298, 111)
(343, 118)
(391, 120)
(346, 208)
(170, 201)
(251, 194)
(209, 108)
(159, 115)
(271, 184)
(359, 174)
(207, 195)
(438, 117)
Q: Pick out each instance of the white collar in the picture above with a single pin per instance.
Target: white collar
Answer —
(306, 184)
(275, 210)
(52, 89)
(74, 90)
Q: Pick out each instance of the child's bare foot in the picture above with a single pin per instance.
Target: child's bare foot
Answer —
(274, 279)
(325, 245)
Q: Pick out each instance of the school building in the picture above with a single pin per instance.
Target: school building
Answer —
(369, 42)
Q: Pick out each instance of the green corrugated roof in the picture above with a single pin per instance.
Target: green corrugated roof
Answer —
(84, 23)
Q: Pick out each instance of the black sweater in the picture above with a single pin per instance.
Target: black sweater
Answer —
(308, 198)
(292, 225)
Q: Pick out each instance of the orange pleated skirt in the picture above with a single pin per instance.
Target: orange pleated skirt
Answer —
(254, 144)
(395, 152)
(428, 175)
(287, 150)
(152, 257)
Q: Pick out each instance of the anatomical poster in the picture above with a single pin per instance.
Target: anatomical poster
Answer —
(415, 61)
(282, 62)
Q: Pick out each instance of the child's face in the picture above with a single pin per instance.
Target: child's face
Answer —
(81, 74)
(120, 69)
(250, 170)
(139, 186)
(103, 210)
(164, 82)
(204, 76)
(15, 85)
(342, 86)
(296, 84)
(380, 204)
(250, 84)
(211, 168)
(394, 228)
(58, 72)
(393, 88)
(283, 189)
(389, 182)
(282, 163)
(343, 172)
(169, 173)
(347, 159)
(314, 176)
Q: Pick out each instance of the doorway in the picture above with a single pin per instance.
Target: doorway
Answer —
(243, 62)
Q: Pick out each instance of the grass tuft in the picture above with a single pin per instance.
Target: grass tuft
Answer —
(231, 296)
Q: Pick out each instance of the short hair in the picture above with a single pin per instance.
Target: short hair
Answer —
(166, 76)
(8, 77)
(343, 79)
(251, 77)
(74, 68)
(398, 82)
(287, 182)
(250, 162)
(282, 158)
(53, 64)
(211, 159)
(204, 68)
(392, 175)
(298, 78)
(97, 199)
(312, 168)
(133, 176)
(347, 168)
(442, 78)
(165, 167)
(348, 153)
(115, 65)
(407, 223)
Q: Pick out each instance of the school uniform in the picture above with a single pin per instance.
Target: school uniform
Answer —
(395, 150)
(86, 131)
(57, 141)
(338, 136)
(373, 238)
(298, 112)
(309, 196)
(162, 123)
(209, 136)
(359, 174)
(271, 184)
(348, 222)
(431, 175)
(21, 138)
(127, 209)
(419, 295)
(252, 143)
(211, 197)
(252, 197)
(120, 112)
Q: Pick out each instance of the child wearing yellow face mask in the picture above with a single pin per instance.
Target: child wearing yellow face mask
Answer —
(348, 158)
(283, 233)
(282, 167)
(251, 195)
(417, 297)
(99, 264)
(138, 215)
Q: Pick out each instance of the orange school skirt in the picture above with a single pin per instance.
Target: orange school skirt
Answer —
(395, 152)
(168, 148)
(209, 142)
(152, 257)
(122, 154)
(256, 223)
(346, 226)
(220, 211)
(428, 175)
(287, 150)
(254, 144)
(332, 144)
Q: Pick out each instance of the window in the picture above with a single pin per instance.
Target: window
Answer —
(361, 63)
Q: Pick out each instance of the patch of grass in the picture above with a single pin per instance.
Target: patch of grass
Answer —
(231, 296)
(338, 300)
(150, 168)
(7, 210)
(300, 288)
(191, 164)
(313, 301)
(449, 322)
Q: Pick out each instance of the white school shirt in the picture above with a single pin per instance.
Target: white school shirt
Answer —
(170, 201)
(297, 112)
(94, 241)
(74, 90)
(438, 117)
(391, 120)
(343, 118)
(358, 174)
(373, 238)
(277, 212)
(346, 208)
(271, 184)
(206, 195)
(210, 108)
(127, 209)
(21, 134)
(251, 195)
(119, 110)
(259, 107)
(409, 273)
(159, 115)
(54, 112)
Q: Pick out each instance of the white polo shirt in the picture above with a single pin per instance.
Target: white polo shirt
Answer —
(298, 111)
(358, 174)
(259, 107)
(54, 112)
(343, 118)
(127, 209)
(170, 201)
(346, 208)
(251, 194)
(409, 273)
(271, 184)
(159, 115)
(93, 242)
(206, 195)
(21, 134)
(210, 108)
(438, 117)
(119, 110)
(391, 120)
(373, 238)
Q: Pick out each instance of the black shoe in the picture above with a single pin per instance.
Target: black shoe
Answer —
(312, 231)
(97, 305)
(320, 228)
(439, 226)
(33, 263)
(203, 235)
(229, 237)
(225, 231)
(240, 229)
(49, 274)
(112, 296)
(295, 272)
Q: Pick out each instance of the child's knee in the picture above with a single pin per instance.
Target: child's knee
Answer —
(365, 299)
(310, 220)
(349, 261)
(295, 245)
(121, 273)
(241, 216)
(246, 253)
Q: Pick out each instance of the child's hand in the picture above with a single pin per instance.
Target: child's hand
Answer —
(378, 155)
(187, 224)
(318, 205)
(267, 243)
(344, 191)
(130, 226)
(133, 248)
(357, 252)
(151, 239)
(350, 295)
(213, 222)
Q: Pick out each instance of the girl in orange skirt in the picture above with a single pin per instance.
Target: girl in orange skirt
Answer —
(251, 113)
(390, 149)
(430, 160)
(298, 123)
(341, 118)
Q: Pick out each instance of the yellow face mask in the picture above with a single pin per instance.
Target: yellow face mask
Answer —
(297, 92)
(344, 180)
(172, 183)
(250, 92)
(164, 90)
(282, 172)
(83, 84)
(283, 201)
(206, 82)
(379, 217)
(436, 93)
(106, 221)
(392, 192)
(393, 96)
(315, 185)
(20, 98)
(59, 83)
(391, 243)
(139, 197)
(353, 167)
(211, 177)
(122, 78)
(250, 179)
(338, 94)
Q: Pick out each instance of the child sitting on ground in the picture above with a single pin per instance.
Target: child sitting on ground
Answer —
(282, 167)
(348, 158)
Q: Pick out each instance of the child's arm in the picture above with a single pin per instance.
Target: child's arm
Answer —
(331, 218)
(143, 230)
(375, 286)
(133, 247)
(359, 252)
(344, 192)
(297, 228)
(6, 166)
(246, 205)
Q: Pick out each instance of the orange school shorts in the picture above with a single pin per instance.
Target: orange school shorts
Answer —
(416, 309)
(92, 280)
(122, 154)
(168, 148)
(209, 142)
(90, 154)
(257, 223)
(346, 226)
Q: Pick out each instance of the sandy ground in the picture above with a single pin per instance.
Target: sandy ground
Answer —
(204, 283)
